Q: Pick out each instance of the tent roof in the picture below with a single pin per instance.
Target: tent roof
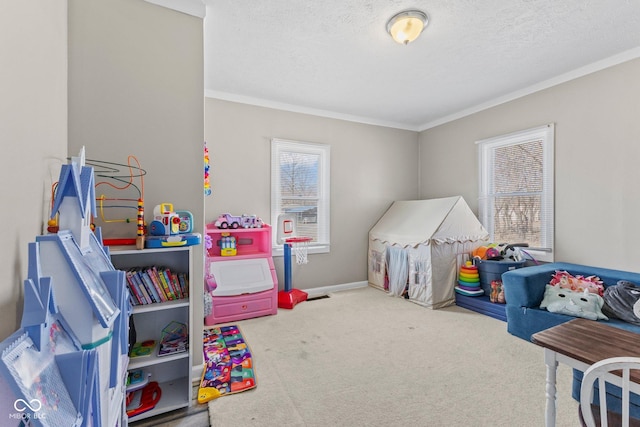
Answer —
(413, 222)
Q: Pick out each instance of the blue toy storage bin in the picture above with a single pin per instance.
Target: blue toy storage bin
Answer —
(492, 270)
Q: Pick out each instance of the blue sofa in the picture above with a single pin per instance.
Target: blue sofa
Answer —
(523, 291)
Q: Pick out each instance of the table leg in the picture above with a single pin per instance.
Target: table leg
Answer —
(552, 367)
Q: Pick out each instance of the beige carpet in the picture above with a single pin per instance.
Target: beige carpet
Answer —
(363, 358)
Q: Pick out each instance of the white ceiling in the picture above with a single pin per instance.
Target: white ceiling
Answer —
(334, 58)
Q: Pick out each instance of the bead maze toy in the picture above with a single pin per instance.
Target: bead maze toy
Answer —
(112, 177)
(125, 185)
(168, 228)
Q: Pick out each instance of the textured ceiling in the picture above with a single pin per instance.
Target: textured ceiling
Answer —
(334, 57)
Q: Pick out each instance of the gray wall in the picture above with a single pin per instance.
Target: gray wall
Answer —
(33, 134)
(371, 166)
(597, 150)
(136, 87)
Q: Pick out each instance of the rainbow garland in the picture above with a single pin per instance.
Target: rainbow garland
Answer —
(207, 182)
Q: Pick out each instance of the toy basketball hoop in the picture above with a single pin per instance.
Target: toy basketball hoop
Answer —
(288, 238)
(300, 246)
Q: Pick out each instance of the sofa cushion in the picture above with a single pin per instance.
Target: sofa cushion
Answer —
(578, 304)
(620, 300)
(577, 283)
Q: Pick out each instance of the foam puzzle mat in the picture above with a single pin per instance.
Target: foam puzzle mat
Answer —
(228, 365)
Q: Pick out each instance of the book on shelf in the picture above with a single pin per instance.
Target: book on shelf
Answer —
(146, 279)
(137, 299)
(142, 349)
(165, 284)
(153, 275)
(148, 285)
(175, 339)
(138, 288)
(173, 346)
(141, 287)
(184, 284)
(172, 285)
(176, 284)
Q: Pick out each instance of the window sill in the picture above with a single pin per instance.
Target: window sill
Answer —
(315, 249)
(538, 255)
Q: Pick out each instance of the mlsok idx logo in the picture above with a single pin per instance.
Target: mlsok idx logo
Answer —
(21, 405)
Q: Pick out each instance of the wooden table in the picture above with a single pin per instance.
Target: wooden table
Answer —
(579, 343)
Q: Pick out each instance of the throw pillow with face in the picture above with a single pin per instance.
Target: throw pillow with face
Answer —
(578, 304)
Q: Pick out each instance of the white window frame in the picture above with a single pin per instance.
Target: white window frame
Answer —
(278, 145)
(546, 134)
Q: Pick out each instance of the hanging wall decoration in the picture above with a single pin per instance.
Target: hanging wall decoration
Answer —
(207, 183)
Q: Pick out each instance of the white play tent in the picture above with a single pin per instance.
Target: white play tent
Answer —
(430, 236)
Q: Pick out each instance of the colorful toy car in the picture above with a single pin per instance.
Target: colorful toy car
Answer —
(226, 220)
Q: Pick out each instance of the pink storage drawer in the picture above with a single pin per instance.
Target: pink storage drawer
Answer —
(247, 306)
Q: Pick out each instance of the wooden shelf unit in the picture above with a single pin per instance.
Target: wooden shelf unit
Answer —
(172, 372)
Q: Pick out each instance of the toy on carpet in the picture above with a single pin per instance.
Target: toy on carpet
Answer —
(469, 281)
(228, 364)
(287, 224)
(289, 297)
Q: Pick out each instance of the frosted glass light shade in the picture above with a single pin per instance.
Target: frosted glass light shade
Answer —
(406, 26)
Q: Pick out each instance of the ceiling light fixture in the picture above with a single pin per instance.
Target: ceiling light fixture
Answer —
(406, 26)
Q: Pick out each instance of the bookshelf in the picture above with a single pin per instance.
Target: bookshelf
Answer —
(172, 372)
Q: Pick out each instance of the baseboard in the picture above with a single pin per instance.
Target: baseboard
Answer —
(196, 373)
(325, 290)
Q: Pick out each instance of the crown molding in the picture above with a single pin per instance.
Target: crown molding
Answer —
(625, 56)
(225, 96)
